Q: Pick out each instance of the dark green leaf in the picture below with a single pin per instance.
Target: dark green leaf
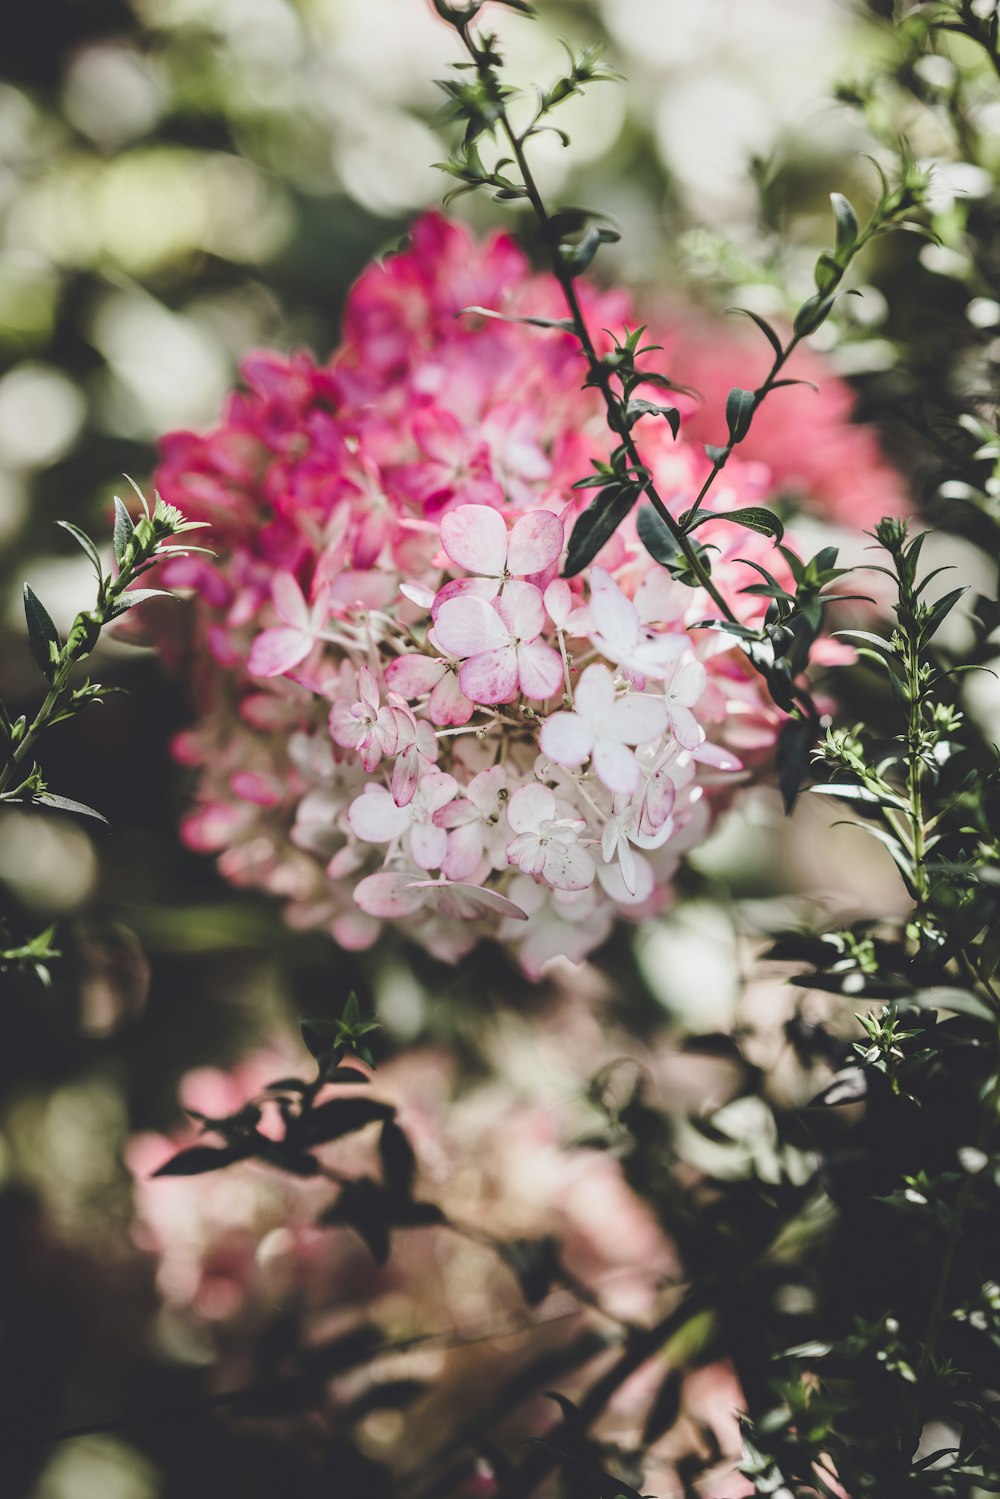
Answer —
(794, 744)
(638, 407)
(202, 1158)
(753, 517)
(846, 221)
(763, 325)
(43, 637)
(135, 596)
(828, 272)
(655, 535)
(336, 1118)
(740, 407)
(597, 525)
(399, 1164)
(576, 257)
(942, 608)
(961, 1001)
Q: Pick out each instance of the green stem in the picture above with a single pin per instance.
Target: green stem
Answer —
(599, 372)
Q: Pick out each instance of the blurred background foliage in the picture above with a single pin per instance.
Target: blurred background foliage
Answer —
(184, 180)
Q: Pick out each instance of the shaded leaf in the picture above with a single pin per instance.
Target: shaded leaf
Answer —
(338, 1117)
(43, 637)
(597, 525)
(202, 1158)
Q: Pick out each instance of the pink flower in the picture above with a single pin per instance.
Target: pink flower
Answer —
(476, 538)
(478, 825)
(394, 895)
(369, 728)
(619, 635)
(497, 644)
(456, 466)
(547, 846)
(281, 648)
(601, 727)
(376, 818)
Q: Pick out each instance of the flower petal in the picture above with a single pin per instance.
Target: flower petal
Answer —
(687, 730)
(528, 618)
(289, 601)
(616, 766)
(467, 626)
(277, 651)
(428, 845)
(529, 807)
(567, 739)
(448, 704)
(615, 617)
(539, 670)
(536, 541)
(412, 676)
(491, 676)
(475, 537)
(568, 866)
(594, 695)
(636, 718)
(387, 894)
(375, 818)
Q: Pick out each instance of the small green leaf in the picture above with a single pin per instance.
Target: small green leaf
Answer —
(123, 530)
(66, 804)
(937, 615)
(827, 274)
(202, 1158)
(576, 257)
(135, 596)
(740, 407)
(638, 407)
(846, 221)
(960, 1001)
(83, 540)
(43, 637)
(763, 325)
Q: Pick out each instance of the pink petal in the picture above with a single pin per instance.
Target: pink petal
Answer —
(391, 895)
(717, 757)
(277, 651)
(465, 852)
(687, 730)
(375, 818)
(405, 776)
(614, 615)
(440, 435)
(536, 541)
(688, 683)
(437, 789)
(412, 676)
(635, 719)
(616, 766)
(559, 602)
(475, 537)
(466, 902)
(467, 626)
(491, 676)
(417, 594)
(527, 852)
(345, 727)
(289, 602)
(368, 688)
(568, 866)
(428, 845)
(448, 704)
(529, 807)
(594, 695)
(540, 671)
(528, 619)
(566, 739)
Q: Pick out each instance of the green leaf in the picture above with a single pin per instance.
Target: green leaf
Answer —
(597, 525)
(960, 1001)
(763, 325)
(796, 740)
(43, 637)
(66, 804)
(740, 407)
(638, 407)
(135, 596)
(754, 517)
(202, 1158)
(847, 223)
(83, 540)
(338, 1117)
(811, 314)
(576, 258)
(937, 615)
(655, 535)
(399, 1164)
(827, 274)
(123, 529)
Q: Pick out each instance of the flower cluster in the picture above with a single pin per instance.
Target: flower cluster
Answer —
(407, 715)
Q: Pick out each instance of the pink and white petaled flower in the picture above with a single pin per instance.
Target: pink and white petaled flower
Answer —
(375, 818)
(547, 846)
(436, 679)
(602, 727)
(498, 645)
(476, 538)
(369, 728)
(685, 685)
(619, 633)
(286, 646)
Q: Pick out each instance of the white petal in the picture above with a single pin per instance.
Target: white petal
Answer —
(375, 817)
(636, 719)
(594, 695)
(529, 807)
(466, 626)
(566, 739)
(475, 537)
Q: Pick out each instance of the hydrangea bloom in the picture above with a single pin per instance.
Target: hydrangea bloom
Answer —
(406, 715)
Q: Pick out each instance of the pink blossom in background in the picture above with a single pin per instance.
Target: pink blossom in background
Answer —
(405, 716)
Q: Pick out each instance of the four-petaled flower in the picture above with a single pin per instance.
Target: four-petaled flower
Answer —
(497, 643)
(619, 634)
(416, 676)
(602, 726)
(547, 846)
